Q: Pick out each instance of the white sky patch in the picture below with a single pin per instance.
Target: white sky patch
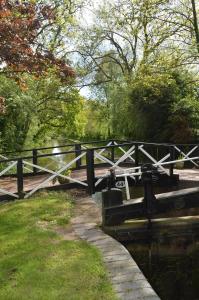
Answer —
(85, 92)
(88, 13)
(87, 19)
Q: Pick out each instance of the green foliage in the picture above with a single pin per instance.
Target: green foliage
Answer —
(62, 180)
(138, 53)
(97, 125)
(14, 124)
(59, 110)
(164, 106)
(156, 104)
(133, 55)
(41, 109)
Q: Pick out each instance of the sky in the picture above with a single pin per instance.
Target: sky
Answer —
(87, 19)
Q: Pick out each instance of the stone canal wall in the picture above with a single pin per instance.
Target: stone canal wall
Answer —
(125, 275)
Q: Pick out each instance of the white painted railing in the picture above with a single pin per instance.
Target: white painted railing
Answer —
(101, 157)
(132, 171)
(55, 174)
(3, 172)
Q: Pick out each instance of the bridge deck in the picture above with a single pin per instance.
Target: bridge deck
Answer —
(10, 183)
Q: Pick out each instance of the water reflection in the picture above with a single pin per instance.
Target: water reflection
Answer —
(55, 162)
(171, 265)
(58, 158)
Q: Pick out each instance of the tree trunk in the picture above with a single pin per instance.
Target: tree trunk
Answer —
(195, 23)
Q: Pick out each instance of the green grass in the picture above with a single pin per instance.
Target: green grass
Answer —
(36, 263)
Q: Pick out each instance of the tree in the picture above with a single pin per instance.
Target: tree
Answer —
(143, 46)
(46, 108)
(164, 106)
(97, 123)
(183, 16)
(15, 121)
(21, 50)
(36, 79)
(195, 23)
(57, 109)
(125, 33)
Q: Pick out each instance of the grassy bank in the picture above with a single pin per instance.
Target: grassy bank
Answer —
(35, 261)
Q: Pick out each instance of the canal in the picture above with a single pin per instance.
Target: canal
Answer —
(170, 261)
(171, 265)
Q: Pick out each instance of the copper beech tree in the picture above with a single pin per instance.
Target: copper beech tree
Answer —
(21, 47)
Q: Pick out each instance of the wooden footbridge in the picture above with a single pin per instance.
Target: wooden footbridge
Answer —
(24, 173)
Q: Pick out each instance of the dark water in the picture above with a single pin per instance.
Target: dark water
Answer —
(171, 265)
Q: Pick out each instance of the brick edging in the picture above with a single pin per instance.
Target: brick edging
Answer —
(125, 275)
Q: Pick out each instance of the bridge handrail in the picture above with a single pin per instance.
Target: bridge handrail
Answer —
(121, 143)
(135, 152)
(112, 146)
(60, 146)
(67, 152)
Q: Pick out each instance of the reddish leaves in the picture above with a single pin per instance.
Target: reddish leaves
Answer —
(2, 105)
(20, 24)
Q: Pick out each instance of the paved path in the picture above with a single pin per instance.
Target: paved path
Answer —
(10, 183)
(127, 279)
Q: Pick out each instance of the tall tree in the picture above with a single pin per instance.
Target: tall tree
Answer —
(195, 23)
(149, 37)
(45, 108)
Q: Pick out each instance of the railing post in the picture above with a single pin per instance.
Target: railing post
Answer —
(136, 155)
(172, 157)
(34, 160)
(137, 160)
(77, 153)
(90, 171)
(112, 152)
(20, 178)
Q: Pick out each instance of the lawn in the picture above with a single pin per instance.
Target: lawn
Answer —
(35, 261)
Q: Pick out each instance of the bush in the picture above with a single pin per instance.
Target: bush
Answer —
(163, 107)
(62, 180)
